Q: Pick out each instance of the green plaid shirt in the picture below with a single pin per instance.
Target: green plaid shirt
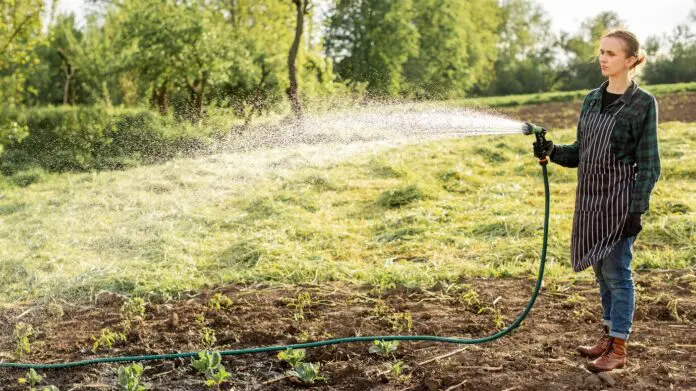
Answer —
(633, 139)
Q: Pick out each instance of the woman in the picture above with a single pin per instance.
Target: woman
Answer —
(618, 163)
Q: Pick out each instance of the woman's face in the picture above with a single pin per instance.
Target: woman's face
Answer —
(612, 57)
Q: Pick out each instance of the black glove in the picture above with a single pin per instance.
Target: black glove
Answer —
(543, 149)
(632, 225)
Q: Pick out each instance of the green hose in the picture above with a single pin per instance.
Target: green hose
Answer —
(335, 341)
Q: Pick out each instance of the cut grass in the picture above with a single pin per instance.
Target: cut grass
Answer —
(411, 215)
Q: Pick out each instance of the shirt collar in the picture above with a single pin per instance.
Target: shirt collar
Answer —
(627, 95)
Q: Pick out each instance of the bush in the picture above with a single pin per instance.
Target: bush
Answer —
(93, 138)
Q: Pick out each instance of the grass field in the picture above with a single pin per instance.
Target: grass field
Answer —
(410, 215)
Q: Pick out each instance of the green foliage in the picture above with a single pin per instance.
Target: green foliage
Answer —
(129, 378)
(299, 304)
(106, 340)
(400, 321)
(292, 356)
(677, 65)
(135, 306)
(219, 301)
(21, 26)
(208, 337)
(384, 348)
(456, 47)
(210, 364)
(21, 334)
(371, 42)
(32, 379)
(66, 138)
(307, 373)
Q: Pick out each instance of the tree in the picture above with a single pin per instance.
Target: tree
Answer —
(456, 47)
(20, 33)
(189, 45)
(301, 10)
(526, 51)
(678, 65)
(582, 70)
(371, 40)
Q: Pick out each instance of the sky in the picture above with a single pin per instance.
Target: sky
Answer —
(644, 18)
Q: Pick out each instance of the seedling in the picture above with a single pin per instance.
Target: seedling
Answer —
(208, 337)
(381, 309)
(401, 321)
(129, 377)
(497, 316)
(384, 348)
(396, 370)
(219, 301)
(106, 340)
(210, 364)
(21, 334)
(135, 306)
(32, 379)
(673, 308)
(307, 373)
(292, 356)
(302, 301)
(470, 298)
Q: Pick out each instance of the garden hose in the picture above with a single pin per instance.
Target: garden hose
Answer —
(467, 341)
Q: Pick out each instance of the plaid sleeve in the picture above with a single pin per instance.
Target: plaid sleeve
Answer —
(647, 160)
(569, 155)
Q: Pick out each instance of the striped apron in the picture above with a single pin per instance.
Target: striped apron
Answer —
(603, 193)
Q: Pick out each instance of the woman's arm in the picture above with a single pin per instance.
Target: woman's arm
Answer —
(569, 155)
(647, 160)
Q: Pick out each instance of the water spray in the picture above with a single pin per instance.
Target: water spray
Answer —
(404, 124)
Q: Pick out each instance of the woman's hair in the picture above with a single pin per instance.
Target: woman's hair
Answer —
(631, 44)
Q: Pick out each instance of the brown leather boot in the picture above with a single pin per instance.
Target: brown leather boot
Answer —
(596, 350)
(615, 357)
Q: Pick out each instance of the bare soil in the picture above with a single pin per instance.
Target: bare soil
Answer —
(540, 355)
(562, 115)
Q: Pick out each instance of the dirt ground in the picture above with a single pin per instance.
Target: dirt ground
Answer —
(538, 356)
(561, 115)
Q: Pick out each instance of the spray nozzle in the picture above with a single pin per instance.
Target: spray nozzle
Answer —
(540, 133)
(529, 128)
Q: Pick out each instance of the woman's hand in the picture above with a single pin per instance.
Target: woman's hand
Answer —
(543, 149)
(632, 225)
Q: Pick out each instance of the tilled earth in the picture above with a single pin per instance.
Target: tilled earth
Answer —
(539, 355)
(561, 115)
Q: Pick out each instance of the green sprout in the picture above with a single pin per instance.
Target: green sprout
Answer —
(135, 306)
(307, 373)
(129, 377)
(208, 337)
(21, 334)
(396, 370)
(302, 301)
(401, 321)
(32, 379)
(219, 301)
(210, 364)
(106, 340)
(292, 356)
(384, 348)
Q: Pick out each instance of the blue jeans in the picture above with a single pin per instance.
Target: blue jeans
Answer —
(616, 288)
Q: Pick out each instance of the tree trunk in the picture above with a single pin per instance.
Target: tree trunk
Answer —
(160, 98)
(197, 89)
(69, 72)
(292, 91)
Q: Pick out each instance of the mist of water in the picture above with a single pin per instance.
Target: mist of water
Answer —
(395, 123)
